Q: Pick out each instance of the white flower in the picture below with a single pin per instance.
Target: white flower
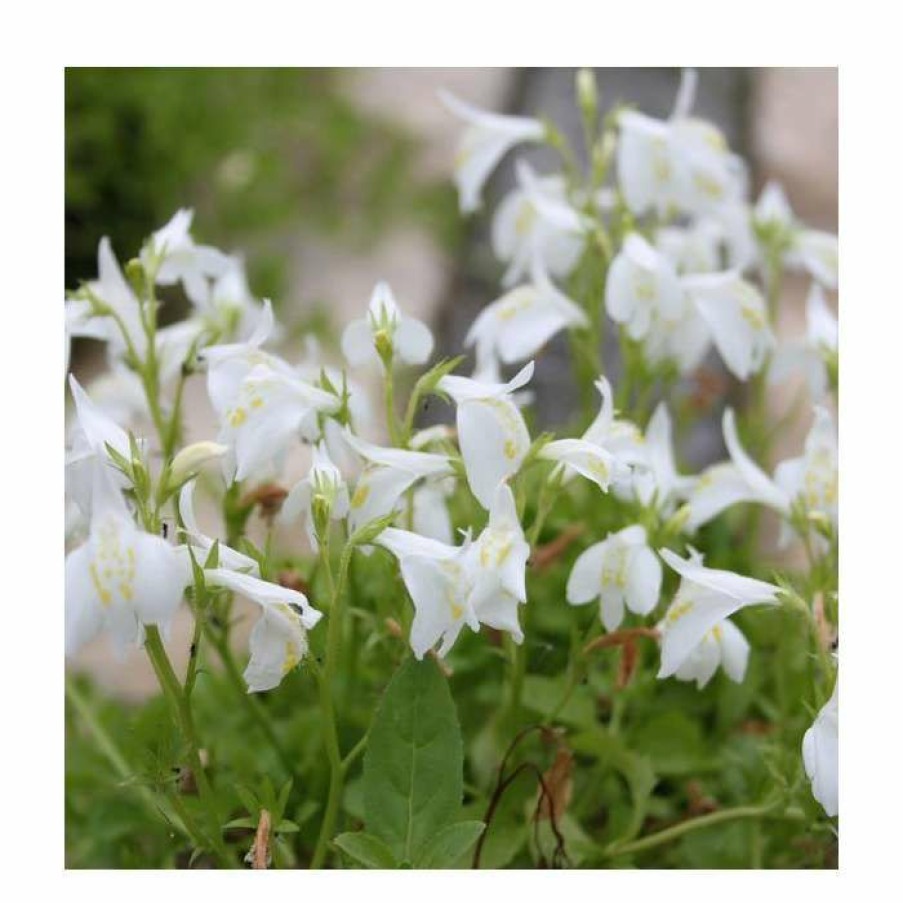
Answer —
(735, 313)
(705, 599)
(388, 473)
(621, 570)
(172, 253)
(594, 462)
(808, 249)
(517, 325)
(729, 483)
(492, 434)
(324, 481)
(386, 331)
(676, 164)
(91, 435)
(641, 284)
(683, 341)
(278, 641)
(812, 354)
(122, 578)
(695, 248)
(228, 305)
(535, 222)
(437, 578)
(478, 582)
(809, 481)
(621, 438)
(498, 560)
(820, 758)
(488, 137)
(723, 645)
(657, 483)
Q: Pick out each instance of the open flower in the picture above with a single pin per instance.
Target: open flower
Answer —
(536, 222)
(173, 255)
(621, 570)
(814, 354)
(725, 646)
(705, 599)
(388, 473)
(488, 137)
(517, 325)
(122, 578)
(278, 641)
(323, 488)
(491, 431)
(386, 333)
(481, 582)
(681, 163)
(737, 318)
(642, 284)
(820, 759)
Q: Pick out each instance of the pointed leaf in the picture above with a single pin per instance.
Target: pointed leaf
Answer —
(448, 845)
(366, 850)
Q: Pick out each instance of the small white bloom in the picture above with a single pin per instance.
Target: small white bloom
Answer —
(323, 480)
(386, 331)
(657, 482)
(725, 646)
(677, 164)
(820, 756)
(481, 582)
(594, 462)
(535, 222)
(278, 641)
(491, 431)
(705, 599)
(498, 560)
(810, 355)
(122, 578)
(388, 473)
(173, 254)
(620, 437)
(641, 284)
(192, 458)
(736, 315)
(517, 325)
(621, 570)
(488, 137)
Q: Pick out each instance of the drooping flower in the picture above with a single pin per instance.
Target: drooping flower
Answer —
(705, 599)
(323, 486)
(480, 582)
(536, 222)
(737, 318)
(642, 284)
(814, 354)
(725, 646)
(491, 431)
(386, 333)
(621, 570)
(517, 325)
(820, 755)
(487, 138)
(387, 474)
(122, 578)
(681, 164)
(171, 253)
(278, 641)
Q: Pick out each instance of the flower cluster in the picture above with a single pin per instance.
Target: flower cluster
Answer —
(685, 265)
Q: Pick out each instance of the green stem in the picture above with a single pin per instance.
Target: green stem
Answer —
(389, 398)
(685, 827)
(327, 708)
(178, 702)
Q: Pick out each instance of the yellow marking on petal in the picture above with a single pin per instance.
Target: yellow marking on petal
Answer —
(238, 417)
(717, 632)
(510, 449)
(644, 286)
(678, 610)
(360, 495)
(290, 659)
(708, 185)
(523, 223)
(457, 611)
(102, 592)
(257, 403)
(753, 317)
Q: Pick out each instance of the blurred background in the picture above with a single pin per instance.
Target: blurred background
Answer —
(330, 180)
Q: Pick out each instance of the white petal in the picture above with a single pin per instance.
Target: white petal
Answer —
(277, 643)
(413, 341)
(762, 486)
(377, 492)
(84, 613)
(734, 650)
(357, 343)
(265, 593)
(585, 580)
(644, 581)
(161, 575)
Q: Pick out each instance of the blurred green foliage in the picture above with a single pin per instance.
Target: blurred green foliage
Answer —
(259, 154)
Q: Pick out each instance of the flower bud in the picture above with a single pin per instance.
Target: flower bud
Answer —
(382, 339)
(587, 92)
(192, 458)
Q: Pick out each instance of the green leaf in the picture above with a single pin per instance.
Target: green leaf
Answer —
(366, 850)
(413, 767)
(449, 845)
